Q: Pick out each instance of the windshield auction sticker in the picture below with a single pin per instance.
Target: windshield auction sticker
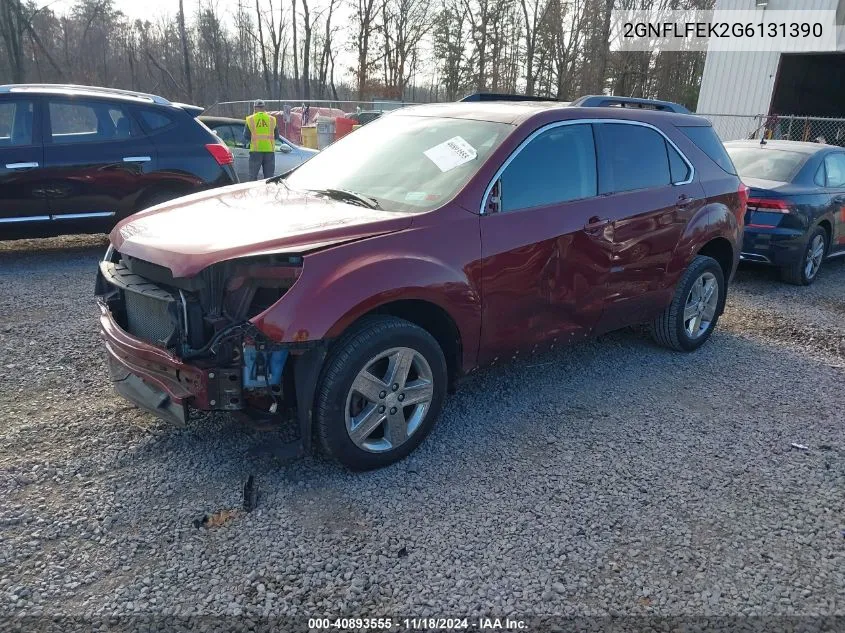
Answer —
(742, 30)
(452, 153)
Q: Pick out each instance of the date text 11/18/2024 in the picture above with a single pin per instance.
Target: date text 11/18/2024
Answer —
(418, 624)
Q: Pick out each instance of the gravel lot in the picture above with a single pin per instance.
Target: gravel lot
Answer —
(613, 477)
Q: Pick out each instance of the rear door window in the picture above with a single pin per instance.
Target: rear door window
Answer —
(632, 157)
(16, 123)
(835, 168)
(80, 122)
(558, 165)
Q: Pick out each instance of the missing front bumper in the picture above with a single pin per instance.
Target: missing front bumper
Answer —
(156, 401)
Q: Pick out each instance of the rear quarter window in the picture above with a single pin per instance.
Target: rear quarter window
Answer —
(706, 140)
(835, 168)
(154, 120)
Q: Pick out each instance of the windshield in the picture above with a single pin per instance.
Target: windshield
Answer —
(404, 163)
(766, 164)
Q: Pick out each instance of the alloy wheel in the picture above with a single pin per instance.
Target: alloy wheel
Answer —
(815, 254)
(389, 399)
(701, 304)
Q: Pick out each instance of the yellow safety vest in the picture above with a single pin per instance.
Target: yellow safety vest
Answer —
(262, 131)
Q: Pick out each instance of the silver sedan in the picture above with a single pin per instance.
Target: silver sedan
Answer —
(231, 132)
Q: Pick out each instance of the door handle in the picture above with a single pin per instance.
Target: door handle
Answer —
(595, 223)
(684, 201)
(136, 159)
(21, 165)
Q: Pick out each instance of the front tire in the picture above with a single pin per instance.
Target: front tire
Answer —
(380, 393)
(805, 270)
(687, 322)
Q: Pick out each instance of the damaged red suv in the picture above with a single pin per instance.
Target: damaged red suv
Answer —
(351, 293)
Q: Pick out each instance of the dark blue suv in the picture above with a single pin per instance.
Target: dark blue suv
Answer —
(76, 159)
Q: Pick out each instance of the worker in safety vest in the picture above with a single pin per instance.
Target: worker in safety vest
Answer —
(260, 135)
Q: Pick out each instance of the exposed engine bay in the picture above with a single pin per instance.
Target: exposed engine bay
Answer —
(205, 321)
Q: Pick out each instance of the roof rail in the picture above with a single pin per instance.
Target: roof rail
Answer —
(495, 96)
(600, 101)
(84, 89)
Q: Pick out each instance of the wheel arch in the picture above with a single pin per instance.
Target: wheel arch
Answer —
(340, 286)
(827, 225)
(431, 317)
(720, 249)
(713, 231)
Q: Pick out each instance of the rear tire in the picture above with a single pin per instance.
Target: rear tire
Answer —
(687, 322)
(804, 271)
(363, 416)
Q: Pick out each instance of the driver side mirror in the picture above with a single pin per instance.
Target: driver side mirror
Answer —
(284, 148)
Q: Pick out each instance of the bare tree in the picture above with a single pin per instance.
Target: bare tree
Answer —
(532, 13)
(278, 38)
(214, 49)
(478, 13)
(186, 57)
(326, 60)
(404, 49)
(501, 20)
(265, 71)
(365, 21)
(450, 33)
(560, 38)
(596, 45)
(295, 52)
(12, 28)
(306, 50)
(14, 22)
(404, 24)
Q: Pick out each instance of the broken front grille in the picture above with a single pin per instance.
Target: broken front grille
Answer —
(150, 318)
(150, 312)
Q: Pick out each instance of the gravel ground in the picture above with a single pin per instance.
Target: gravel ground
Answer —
(612, 477)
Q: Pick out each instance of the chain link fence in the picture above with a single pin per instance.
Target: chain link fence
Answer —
(733, 127)
(240, 109)
(293, 114)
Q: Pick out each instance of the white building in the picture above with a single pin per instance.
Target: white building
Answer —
(766, 83)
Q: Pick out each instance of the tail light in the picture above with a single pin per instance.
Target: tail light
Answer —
(221, 153)
(761, 208)
(769, 205)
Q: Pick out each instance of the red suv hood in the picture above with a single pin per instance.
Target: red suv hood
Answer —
(191, 233)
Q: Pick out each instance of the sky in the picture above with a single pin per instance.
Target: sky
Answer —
(153, 9)
(137, 9)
